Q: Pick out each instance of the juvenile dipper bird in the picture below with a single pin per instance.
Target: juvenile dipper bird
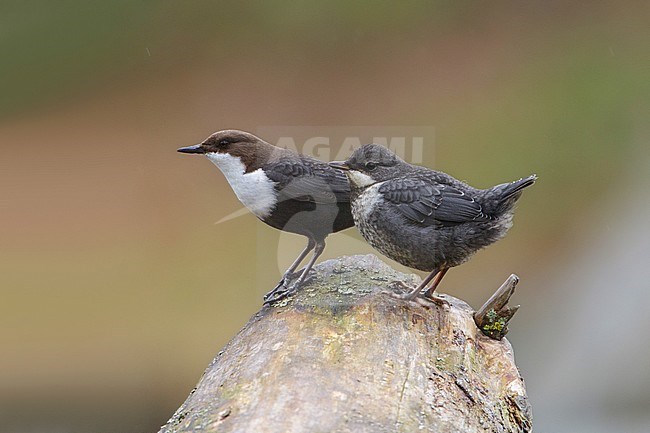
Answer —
(422, 218)
(288, 191)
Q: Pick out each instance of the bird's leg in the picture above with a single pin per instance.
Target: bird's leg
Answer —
(429, 294)
(290, 272)
(276, 295)
(318, 250)
(282, 284)
(415, 292)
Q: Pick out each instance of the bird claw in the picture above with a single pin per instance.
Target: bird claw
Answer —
(424, 299)
(427, 300)
(277, 294)
(282, 290)
(397, 285)
(400, 296)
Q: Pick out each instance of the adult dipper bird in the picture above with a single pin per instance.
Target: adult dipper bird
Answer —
(288, 191)
(422, 218)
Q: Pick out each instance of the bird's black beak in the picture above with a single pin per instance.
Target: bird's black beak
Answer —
(192, 149)
(341, 165)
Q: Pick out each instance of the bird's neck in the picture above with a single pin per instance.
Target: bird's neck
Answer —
(252, 187)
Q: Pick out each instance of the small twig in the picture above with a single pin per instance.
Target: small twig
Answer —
(493, 317)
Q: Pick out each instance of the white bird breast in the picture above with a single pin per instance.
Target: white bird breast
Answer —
(367, 202)
(255, 190)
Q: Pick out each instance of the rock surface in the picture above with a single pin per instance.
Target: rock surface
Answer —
(341, 356)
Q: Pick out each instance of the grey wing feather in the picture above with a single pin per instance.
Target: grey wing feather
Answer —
(410, 213)
(428, 203)
(309, 180)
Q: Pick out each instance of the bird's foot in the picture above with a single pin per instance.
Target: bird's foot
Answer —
(290, 276)
(425, 299)
(428, 299)
(282, 286)
(399, 286)
(281, 291)
(397, 289)
(401, 296)
(405, 297)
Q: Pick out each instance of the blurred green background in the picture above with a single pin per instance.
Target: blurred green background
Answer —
(116, 286)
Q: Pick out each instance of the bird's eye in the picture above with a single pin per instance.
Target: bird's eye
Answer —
(370, 166)
(224, 142)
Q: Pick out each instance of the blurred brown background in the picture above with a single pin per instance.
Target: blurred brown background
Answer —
(116, 286)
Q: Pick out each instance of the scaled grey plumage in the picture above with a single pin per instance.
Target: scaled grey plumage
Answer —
(422, 218)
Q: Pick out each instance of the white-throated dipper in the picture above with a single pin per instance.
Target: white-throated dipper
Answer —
(422, 218)
(288, 191)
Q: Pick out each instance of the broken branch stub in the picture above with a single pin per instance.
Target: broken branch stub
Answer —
(493, 317)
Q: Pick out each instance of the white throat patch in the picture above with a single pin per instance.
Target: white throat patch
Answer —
(254, 189)
(360, 179)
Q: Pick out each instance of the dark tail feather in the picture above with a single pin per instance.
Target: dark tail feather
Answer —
(513, 188)
(510, 192)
